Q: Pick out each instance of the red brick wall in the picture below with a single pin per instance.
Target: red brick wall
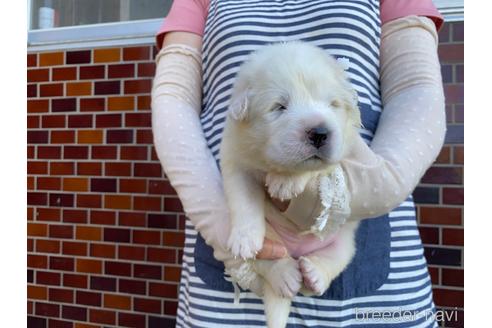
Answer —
(105, 228)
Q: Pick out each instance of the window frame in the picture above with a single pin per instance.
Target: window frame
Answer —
(143, 31)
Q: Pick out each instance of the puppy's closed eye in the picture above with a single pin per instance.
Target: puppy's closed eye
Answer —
(279, 107)
(336, 103)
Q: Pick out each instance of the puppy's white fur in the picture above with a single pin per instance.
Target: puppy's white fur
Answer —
(282, 93)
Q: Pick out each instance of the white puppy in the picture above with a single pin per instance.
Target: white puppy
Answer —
(292, 117)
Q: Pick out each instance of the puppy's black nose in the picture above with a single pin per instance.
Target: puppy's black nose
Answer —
(317, 136)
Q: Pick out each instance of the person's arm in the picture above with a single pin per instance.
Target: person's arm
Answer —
(411, 128)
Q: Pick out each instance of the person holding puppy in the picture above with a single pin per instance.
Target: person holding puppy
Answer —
(392, 64)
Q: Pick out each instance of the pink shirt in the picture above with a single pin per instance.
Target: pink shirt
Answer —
(190, 15)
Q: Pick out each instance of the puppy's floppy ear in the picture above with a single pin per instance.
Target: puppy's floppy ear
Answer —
(238, 107)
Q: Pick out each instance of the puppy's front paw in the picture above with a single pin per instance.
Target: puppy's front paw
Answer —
(313, 277)
(245, 243)
(285, 277)
(285, 187)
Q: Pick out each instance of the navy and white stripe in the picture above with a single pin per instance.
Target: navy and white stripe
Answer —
(350, 29)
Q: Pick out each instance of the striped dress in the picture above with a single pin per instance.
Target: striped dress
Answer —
(388, 283)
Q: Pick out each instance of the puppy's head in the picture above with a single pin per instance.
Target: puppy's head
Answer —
(294, 104)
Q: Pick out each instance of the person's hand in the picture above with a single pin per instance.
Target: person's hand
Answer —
(272, 250)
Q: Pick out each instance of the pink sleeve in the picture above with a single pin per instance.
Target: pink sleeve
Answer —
(184, 16)
(392, 9)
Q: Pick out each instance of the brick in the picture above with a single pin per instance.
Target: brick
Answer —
(117, 169)
(37, 198)
(145, 137)
(78, 57)
(74, 248)
(121, 71)
(163, 290)
(37, 261)
(147, 271)
(454, 196)
(47, 246)
(37, 292)
(37, 137)
(48, 214)
(453, 277)
(459, 73)
(63, 105)
(88, 233)
(134, 153)
(37, 167)
(443, 175)
(92, 104)
(88, 298)
(79, 89)
(107, 87)
(444, 156)
(138, 86)
(103, 185)
(448, 297)
(172, 273)
(32, 90)
(146, 70)
(454, 237)
(49, 152)
(133, 185)
(75, 280)
(31, 151)
(173, 238)
(117, 268)
(103, 250)
(61, 263)
(131, 320)
(80, 121)
(132, 286)
(146, 237)
(119, 136)
(156, 322)
(146, 305)
(61, 231)
(89, 201)
(89, 168)
(62, 168)
(454, 93)
(32, 60)
(62, 137)
(75, 152)
(454, 134)
(143, 102)
(61, 200)
(64, 74)
(104, 152)
(38, 106)
(89, 266)
(131, 253)
(162, 221)
(102, 316)
(51, 90)
(107, 55)
(89, 136)
(38, 75)
(37, 229)
(117, 201)
(103, 217)
(33, 121)
(136, 53)
(48, 278)
(74, 312)
(459, 113)
(47, 309)
(53, 121)
(121, 103)
(103, 283)
(161, 255)
(147, 170)
(447, 73)
(108, 121)
(459, 155)
(51, 59)
(138, 120)
(36, 322)
(92, 72)
(443, 256)
(30, 183)
(147, 203)
(133, 219)
(74, 216)
(440, 215)
(116, 301)
(451, 53)
(429, 235)
(61, 295)
(75, 184)
(173, 205)
(117, 235)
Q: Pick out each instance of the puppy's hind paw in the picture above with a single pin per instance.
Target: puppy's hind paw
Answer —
(285, 277)
(313, 278)
(244, 244)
